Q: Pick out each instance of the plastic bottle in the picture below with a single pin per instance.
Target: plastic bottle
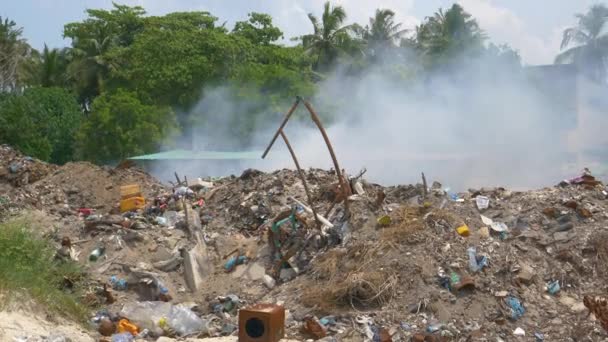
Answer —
(474, 264)
(454, 278)
(96, 253)
(122, 337)
(184, 321)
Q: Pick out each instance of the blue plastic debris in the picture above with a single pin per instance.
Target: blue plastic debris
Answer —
(553, 287)
(517, 310)
(118, 284)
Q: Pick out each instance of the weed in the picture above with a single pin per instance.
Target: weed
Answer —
(27, 264)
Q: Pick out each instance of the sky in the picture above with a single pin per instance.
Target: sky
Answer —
(532, 27)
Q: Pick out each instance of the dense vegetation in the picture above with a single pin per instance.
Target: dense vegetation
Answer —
(129, 82)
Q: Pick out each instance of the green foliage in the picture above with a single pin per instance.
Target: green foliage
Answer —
(330, 40)
(173, 59)
(131, 72)
(120, 126)
(42, 123)
(449, 36)
(590, 40)
(27, 264)
(258, 29)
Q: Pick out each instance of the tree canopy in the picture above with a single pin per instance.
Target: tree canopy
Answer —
(128, 81)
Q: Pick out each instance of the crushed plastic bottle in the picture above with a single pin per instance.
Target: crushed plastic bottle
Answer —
(476, 264)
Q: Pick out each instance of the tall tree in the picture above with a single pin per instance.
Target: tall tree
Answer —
(329, 38)
(90, 66)
(49, 67)
(258, 29)
(382, 32)
(14, 53)
(93, 42)
(589, 42)
(448, 35)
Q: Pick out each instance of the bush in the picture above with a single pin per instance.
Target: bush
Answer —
(27, 264)
(41, 123)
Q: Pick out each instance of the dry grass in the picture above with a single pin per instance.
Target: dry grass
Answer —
(352, 278)
(600, 242)
(407, 221)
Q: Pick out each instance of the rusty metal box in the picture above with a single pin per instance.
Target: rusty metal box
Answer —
(262, 323)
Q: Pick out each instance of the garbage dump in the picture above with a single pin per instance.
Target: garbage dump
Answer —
(398, 263)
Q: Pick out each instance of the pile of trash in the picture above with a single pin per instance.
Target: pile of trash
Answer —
(349, 262)
(19, 170)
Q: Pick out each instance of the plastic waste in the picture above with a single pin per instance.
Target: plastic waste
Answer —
(160, 220)
(125, 326)
(517, 309)
(146, 314)
(434, 327)
(184, 321)
(118, 284)
(454, 278)
(183, 191)
(553, 287)
(476, 263)
(269, 281)
(122, 337)
(233, 261)
(482, 202)
(463, 230)
(96, 253)
(328, 320)
(486, 220)
(499, 227)
(172, 218)
(519, 332)
(539, 337)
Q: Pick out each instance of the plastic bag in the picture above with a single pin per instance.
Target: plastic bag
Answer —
(184, 321)
(122, 337)
(146, 314)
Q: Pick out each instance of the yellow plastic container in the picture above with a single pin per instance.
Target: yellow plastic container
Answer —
(132, 190)
(463, 230)
(132, 203)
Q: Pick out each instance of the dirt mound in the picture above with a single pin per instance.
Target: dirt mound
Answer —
(89, 186)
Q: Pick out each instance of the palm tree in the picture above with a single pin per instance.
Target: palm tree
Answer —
(382, 31)
(49, 68)
(14, 52)
(329, 38)
(450, 33)
(590, 42)
(90, 65)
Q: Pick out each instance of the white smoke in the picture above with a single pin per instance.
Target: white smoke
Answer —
(473, 126)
